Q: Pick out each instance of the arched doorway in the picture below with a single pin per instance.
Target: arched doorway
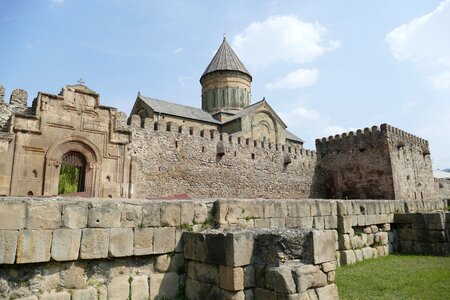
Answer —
(78, 155)
(72, 173)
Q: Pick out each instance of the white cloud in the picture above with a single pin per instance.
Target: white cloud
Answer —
(441, 81)
(425, 39)
(282, 39)
(178, 50)
(297, 79)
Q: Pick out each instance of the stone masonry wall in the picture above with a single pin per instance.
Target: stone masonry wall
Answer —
(70, 248)
(17, 104)
(442, 187)
(175, 160)
(423, 233)
(356, 166)
(411, 165)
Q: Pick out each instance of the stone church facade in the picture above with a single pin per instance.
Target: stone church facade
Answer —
(229, 148)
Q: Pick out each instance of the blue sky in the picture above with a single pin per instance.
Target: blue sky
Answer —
(326, 67)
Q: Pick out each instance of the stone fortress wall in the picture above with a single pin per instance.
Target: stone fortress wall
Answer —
(70, 248)
(377, 163)
(174, 159)
(17, 104)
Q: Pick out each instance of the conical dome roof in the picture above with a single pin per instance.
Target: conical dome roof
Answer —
(225, 59)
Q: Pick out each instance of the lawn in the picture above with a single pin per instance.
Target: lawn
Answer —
(396, 277)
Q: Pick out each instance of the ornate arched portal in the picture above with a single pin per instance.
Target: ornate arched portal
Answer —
(77, 152)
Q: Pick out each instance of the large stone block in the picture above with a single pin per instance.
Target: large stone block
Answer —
(348, 257)
(140, 288)
(151, 216)
(34, 246)
(202, 272)
(104, 215)
(239, 248)
(345, 224)
(309, 276)
(196, 290)
(66, 244)
(118, 288)
(12, 214)
(328, 292)
(8, 246)
(44, 215)
(75, 215)
(131, 215)
(249, 276)
(121, 242)
(94, 243)
(231, 279)
(143, 241)
(164, 240)
(163, 286)
(171, 215)
(324, 243)
(87, 294)
(56, 296)
(280, 280)
(265, 294)
(73, 275)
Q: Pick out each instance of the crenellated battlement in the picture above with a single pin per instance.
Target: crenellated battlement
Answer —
(212, 135)
(403, 135)
(17, 104)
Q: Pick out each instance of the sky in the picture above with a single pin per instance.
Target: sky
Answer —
(326, 67)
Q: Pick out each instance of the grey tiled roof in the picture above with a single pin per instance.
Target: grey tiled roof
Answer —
(225, 59)
(169, 108)
(293, 137)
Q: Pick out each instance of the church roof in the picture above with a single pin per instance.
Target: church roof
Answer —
(184, 111)
(225, 59)
(293, 137)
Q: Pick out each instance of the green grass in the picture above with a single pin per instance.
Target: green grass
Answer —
(396, 277)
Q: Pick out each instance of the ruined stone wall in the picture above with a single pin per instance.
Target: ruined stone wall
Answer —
(356, 166)
(17, 104)
(424, 233)
(71, 248)
(178, 159)
(411, 165)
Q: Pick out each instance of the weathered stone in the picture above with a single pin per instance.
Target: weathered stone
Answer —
(218, 293)
(75, 215)
(331, 276)
(348, 257)
(374, 228)
(249, 276)
(164, 240)
(131, 215)
(265, 294)
(94, 243)
(34, 246)
(118, 288)
(328, 292)
(170, 215)
(104, 215)
(66, 244)
(359, 255)
(206, 273)
(44, 215)
(56, 296)
(327, 267)
(121, 242)
(231, 279)
(73, 277)
(163, 285)
(151, 216)
(140, 288)
(162, 263)
(280, 279)
(344, 224)
(367, 252)
(8, 246)
(324, 246)
(312, 294)
(239, 248)
(12, 214)
(143, 241)
(86, 294)
(357, 242)
(197, 290)
(309, 276)
(344, 242)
